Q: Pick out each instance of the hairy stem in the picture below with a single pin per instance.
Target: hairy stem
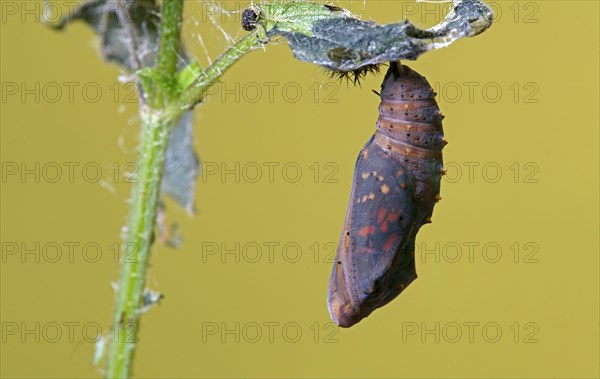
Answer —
(165, 109)
(136, 250)
(170, 37)
(156, 126)
(170, 41)
(196, 91)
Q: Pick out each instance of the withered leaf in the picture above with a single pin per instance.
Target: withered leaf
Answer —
(340, 42)
(129, 34)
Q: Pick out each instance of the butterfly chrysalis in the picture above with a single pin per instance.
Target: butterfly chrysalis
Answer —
(395, 187)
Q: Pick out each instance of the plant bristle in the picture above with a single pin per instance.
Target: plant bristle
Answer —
(355, 76)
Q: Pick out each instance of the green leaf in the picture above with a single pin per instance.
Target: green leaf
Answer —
(148, 78)
(188, 75)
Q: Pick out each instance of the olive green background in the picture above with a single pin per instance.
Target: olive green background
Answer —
(543, 139)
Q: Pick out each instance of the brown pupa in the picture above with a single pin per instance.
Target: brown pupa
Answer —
(395, 187)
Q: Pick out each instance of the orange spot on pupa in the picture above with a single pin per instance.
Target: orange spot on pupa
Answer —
(394, 216)
(403, 186)
(381, 214)
(389, 244)
(382, 219)
(384, 227)
(385, 189)
(366, 230)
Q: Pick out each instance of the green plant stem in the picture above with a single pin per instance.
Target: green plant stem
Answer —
(156, 126)
(157, 121)
(136, 250)
(169, 47)
(196, 91)
(170, 37)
